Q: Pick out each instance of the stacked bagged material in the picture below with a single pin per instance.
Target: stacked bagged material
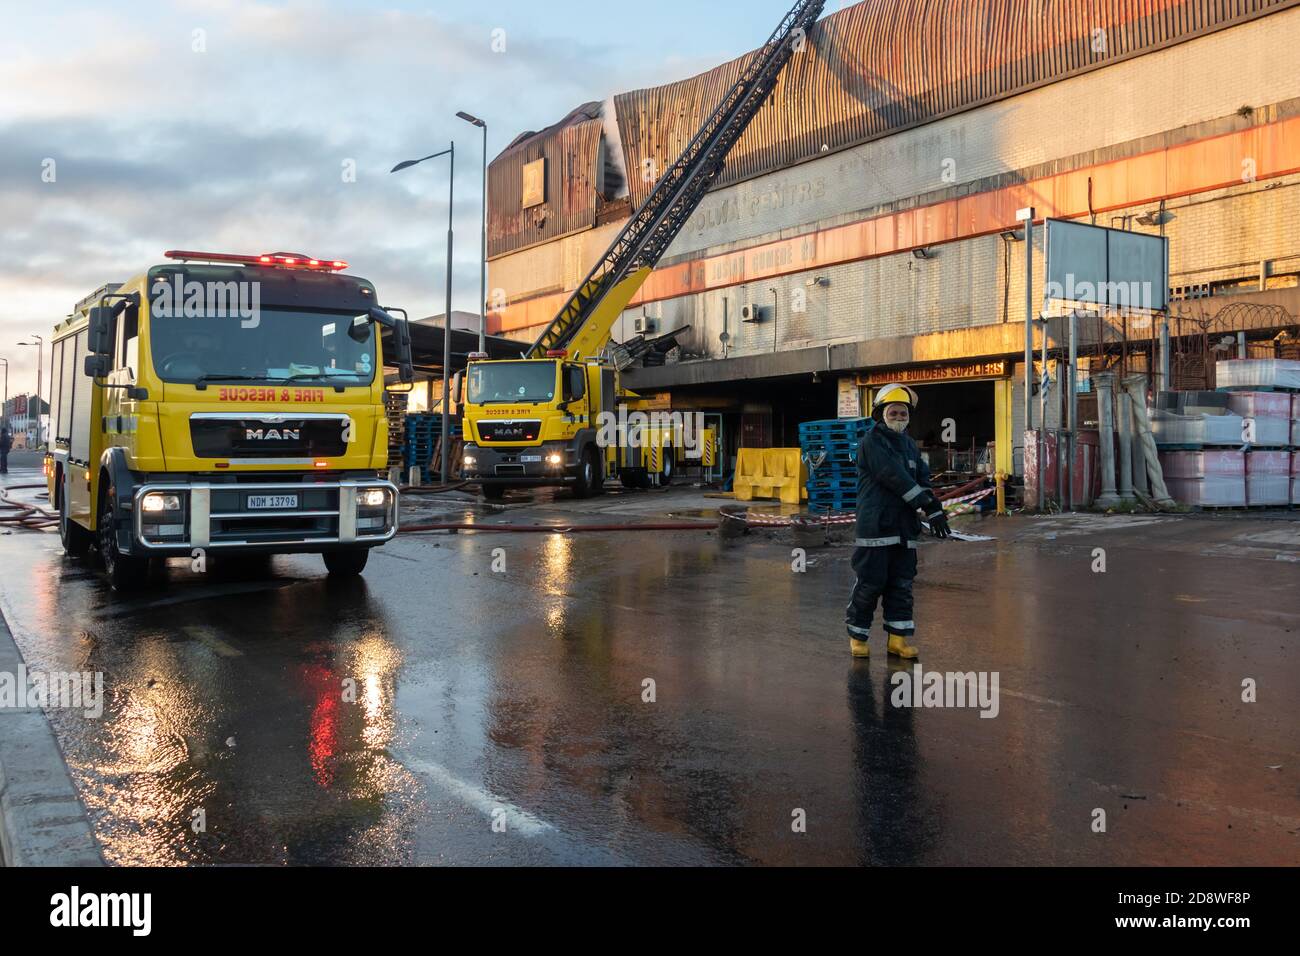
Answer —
(1193, 403)
(1258, 374)
(1259, 404)
(1196, 431)
(1213, 478)
(1268, 477)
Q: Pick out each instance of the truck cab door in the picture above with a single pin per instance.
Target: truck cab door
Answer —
(575, 396)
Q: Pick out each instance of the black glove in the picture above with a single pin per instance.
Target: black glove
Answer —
(939, 524)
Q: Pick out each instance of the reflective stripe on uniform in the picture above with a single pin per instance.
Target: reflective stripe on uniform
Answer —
(909, 624)
(854, 629)
(916, 490)
(876, 542)
(911, 544)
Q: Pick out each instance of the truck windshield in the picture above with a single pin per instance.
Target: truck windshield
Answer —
(511, 382)
(282, 344)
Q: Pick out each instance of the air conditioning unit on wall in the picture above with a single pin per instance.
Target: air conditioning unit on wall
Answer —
(753, 313)
(643, 324)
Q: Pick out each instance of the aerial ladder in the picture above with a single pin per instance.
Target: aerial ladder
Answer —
(500, 432)
(582, 325)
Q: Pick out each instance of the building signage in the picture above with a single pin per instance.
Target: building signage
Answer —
(935, 373)
(535, 183)
(849, 404)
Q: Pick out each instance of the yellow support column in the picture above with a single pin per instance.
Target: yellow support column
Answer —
(1002, 398)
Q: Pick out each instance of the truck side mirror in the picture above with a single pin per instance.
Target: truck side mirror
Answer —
(98, 366)
(99, 333)
(401, 341)
(405, 363)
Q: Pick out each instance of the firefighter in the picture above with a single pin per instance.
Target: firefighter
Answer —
(893, 484)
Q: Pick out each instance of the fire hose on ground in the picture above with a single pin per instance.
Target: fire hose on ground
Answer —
(28, 515)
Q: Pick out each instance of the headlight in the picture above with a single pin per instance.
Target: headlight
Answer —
(554, 458)
(158, 502)
(372, 497)
(469, 461)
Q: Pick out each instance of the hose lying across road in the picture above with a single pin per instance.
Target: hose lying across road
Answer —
(724, 514)
(27, 515)
(560, 529)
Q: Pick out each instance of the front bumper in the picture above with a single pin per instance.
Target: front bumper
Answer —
(514, 466)
(218, 515)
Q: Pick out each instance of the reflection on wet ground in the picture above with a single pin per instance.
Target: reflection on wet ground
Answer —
(671, 697)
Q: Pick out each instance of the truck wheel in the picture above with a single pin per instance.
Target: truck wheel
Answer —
(588, 475)
(665, 476)
(346, 564)
(76, 539)
(125, 572)
(492, 492)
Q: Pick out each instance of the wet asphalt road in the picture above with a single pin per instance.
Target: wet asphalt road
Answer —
(516, 697)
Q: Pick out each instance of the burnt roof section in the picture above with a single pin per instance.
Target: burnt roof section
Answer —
(881, 66)
(870, 70)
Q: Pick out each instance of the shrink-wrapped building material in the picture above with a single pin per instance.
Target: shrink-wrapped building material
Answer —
(1258, 373)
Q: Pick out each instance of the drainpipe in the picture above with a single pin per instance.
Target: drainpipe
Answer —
(1105, 382)
(726, 332)
(774, 304)
(1165, 383)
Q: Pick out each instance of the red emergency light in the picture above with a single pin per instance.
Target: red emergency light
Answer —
(280, 260)
(556, 353)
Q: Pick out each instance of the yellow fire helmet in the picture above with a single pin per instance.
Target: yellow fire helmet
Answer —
(891, 393)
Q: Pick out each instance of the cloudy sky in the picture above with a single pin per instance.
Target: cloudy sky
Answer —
(228, 125)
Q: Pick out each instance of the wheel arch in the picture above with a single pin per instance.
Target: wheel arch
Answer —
(114, 471)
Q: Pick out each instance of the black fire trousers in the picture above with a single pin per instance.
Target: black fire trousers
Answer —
(885, 574)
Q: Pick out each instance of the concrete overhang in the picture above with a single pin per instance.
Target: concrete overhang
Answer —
(985, 341)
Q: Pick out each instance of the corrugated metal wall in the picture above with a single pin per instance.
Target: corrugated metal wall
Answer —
(882, 65)
(572, 153)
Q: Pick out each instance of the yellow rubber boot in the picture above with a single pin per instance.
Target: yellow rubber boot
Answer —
(899, 647)
(859, 648)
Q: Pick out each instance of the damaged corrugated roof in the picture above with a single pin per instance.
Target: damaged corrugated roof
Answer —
(870, 70)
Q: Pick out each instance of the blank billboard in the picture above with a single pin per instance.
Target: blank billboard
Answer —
(1110, 267)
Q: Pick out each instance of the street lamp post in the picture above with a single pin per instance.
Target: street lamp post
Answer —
(4, 408)
(449, 152)
(482, 272)
(40, 361)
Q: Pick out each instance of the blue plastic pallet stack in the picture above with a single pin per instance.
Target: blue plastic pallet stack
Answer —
(832, 483)
(422, 433)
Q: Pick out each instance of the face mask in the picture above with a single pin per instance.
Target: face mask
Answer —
(895, 426)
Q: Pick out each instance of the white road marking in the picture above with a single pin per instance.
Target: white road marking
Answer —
(517, 820)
